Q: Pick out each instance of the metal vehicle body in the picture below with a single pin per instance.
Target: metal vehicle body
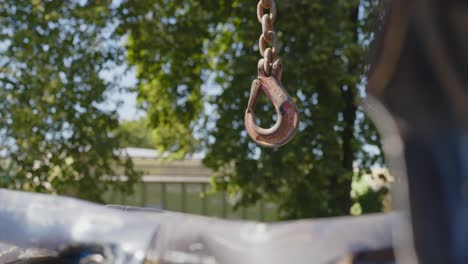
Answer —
(53, 228)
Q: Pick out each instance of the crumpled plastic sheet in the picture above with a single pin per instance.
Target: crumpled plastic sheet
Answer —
(45, 223)
(49, 222)
(10, 253)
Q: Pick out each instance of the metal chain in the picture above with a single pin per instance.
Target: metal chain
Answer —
(268, 36)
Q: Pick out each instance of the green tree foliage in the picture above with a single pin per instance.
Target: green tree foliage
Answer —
(193, 50)
(136, 133)
(370, 193)
(165, 44)
(55, 135)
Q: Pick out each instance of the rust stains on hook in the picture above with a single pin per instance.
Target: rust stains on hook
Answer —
(288, 117)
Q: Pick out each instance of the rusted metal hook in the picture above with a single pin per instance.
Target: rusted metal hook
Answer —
(288, 116)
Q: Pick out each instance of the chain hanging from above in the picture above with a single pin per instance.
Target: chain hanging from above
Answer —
(269, 81)
(268, 36)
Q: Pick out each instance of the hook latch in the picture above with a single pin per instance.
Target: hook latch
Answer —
(287, 121)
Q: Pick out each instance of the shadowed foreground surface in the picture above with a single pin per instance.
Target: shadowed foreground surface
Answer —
(420, 77)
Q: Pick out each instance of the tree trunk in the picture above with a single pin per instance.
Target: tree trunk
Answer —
(349, 117)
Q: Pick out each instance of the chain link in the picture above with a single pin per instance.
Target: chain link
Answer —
(268, 36)
(263, 42)
(266, 4)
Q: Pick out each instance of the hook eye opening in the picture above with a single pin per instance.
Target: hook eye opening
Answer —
(253, 103)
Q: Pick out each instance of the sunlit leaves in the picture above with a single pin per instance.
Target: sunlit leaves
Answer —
(57, 136)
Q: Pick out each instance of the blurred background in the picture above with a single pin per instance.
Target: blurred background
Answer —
(142, 103)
